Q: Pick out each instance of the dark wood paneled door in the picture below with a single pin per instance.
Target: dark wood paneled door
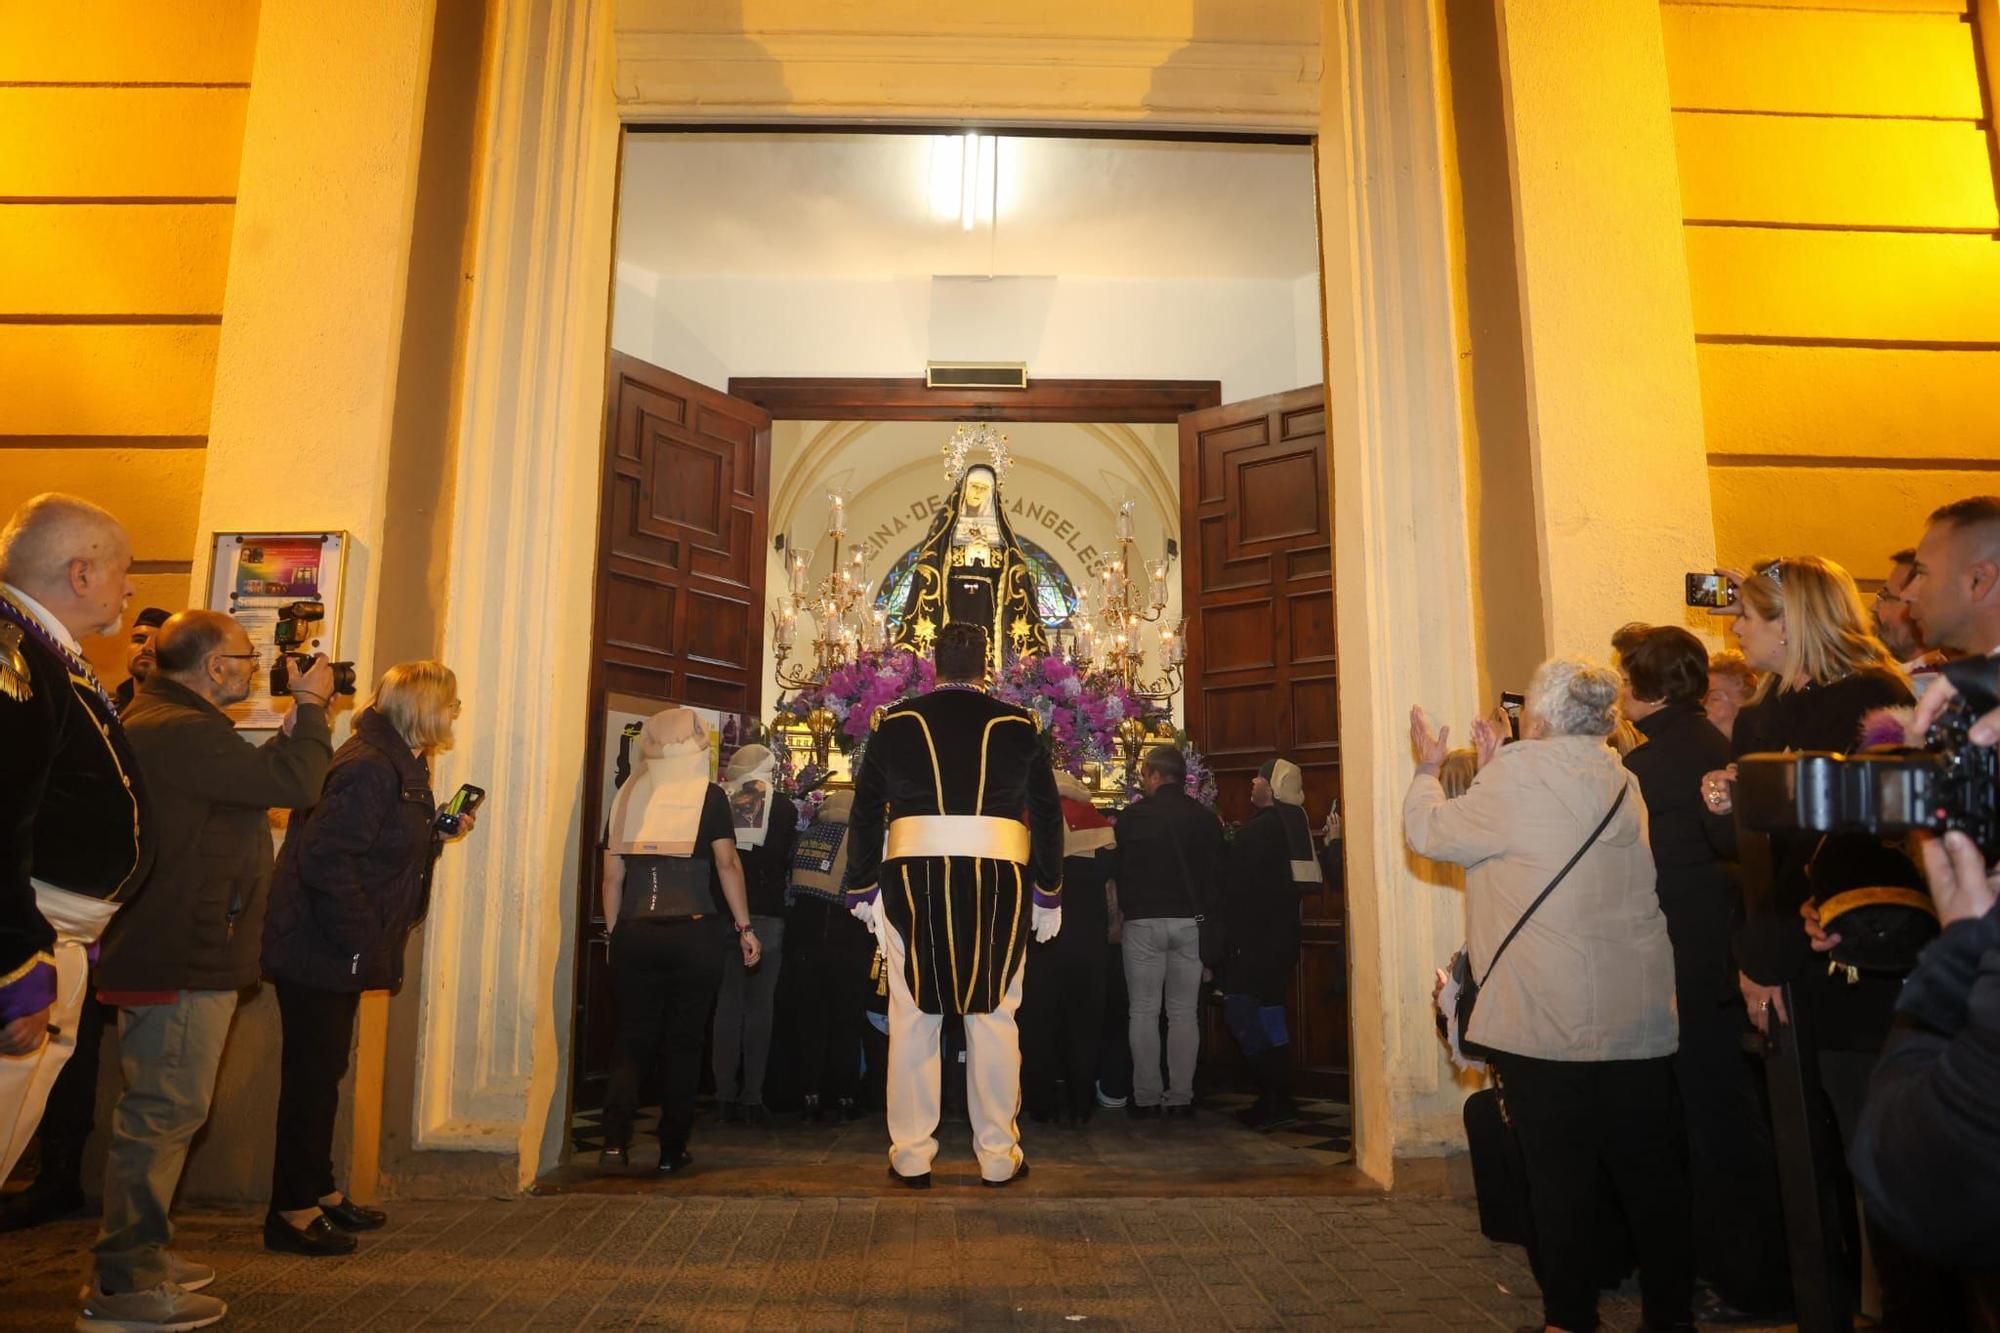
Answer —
(679, 616)
(1257, 582)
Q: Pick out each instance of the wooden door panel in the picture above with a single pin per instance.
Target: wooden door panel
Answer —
(680, 595)
(1262, 673)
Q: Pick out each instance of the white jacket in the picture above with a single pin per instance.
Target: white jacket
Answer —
(1591, 976)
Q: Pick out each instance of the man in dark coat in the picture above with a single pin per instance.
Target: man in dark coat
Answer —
(1739, 1225)
(190, 941)
(973, 865)
(1271, 862)
(70, 795)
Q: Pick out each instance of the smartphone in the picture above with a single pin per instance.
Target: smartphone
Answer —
(1710, 590)
(463, 802)
(1511, 704)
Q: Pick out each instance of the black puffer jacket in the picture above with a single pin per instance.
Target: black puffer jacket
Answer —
(355, 873)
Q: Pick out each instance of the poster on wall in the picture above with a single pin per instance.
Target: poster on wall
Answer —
(284, 589)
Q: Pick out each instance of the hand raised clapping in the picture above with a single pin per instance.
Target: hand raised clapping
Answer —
(1431, 747)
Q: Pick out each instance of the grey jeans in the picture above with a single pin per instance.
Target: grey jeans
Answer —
(169, 1054)
(1163, 962)
(743, 1010)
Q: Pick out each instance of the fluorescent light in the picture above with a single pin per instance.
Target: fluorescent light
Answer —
(968, 180)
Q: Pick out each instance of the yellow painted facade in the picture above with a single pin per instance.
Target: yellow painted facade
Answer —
(1838, 184)
(121, 127)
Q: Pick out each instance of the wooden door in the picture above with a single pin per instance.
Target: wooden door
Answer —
(1257, 582)
(684, 510)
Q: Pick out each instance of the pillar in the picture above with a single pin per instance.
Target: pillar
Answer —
(1614, 399)
(1401, 561)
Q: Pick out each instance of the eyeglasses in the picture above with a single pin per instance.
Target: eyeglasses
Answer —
(1887, 598)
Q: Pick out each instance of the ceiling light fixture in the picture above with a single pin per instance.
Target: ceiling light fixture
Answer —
(964, 177)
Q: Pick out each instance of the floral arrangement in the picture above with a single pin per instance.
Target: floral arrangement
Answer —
(855, 691)
(1200, 777)
(1080, 714)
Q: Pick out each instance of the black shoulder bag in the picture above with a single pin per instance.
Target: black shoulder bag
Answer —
(1461, 962)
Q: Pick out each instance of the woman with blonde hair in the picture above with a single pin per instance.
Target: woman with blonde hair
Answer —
(353, 880)
(1802, 624)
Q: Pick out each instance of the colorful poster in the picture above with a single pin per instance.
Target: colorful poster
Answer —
(284, 589)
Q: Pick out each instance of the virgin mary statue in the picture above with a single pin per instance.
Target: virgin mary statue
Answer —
(971, 568)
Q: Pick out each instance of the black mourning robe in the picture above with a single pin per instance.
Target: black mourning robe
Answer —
(964, 919)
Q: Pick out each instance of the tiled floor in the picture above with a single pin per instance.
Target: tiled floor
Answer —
(955, 1258)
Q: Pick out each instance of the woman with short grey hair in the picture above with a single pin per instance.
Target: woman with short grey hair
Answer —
(1576, 995)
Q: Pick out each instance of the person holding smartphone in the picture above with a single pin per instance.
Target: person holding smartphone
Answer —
(353, 880)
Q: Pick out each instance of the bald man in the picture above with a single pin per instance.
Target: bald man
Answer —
(70, 794)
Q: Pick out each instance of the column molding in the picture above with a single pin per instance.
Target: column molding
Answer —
(1402, 561)
(495, 1020)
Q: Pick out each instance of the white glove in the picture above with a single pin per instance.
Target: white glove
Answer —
(865, 913)
(1046, 922)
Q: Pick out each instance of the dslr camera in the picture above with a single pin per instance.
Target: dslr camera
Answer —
(1947, 783)
(291, 634)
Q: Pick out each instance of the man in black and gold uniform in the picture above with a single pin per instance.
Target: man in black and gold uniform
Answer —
(972, 868)
(69, 789)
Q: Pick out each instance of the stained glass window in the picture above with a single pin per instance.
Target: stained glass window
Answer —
(1055, 595)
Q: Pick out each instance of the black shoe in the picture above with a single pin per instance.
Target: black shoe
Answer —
(318, 1239)
(1269, 1115)
(922, 1182)
(675, 1163)
(613, 1162)
(1138, 1112)
(731, 1113)
(754, 1114)
(849, 1109)
(1020, 1173)
(351, 1216)
(49, 1199)
(1185, 1111)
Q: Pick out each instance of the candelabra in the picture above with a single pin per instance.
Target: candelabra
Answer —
(1105, 636)
(841, 628)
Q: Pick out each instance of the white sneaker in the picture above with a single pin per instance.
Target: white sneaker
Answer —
(165, 1307)
(187, 1274)
(1109, 1103)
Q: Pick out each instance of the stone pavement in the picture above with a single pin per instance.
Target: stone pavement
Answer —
(957, 1257)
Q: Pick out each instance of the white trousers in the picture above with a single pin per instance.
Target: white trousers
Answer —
(916, 1071)
(25, 1080)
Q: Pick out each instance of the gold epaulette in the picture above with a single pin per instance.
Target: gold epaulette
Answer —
(15, 682)
(875, 718)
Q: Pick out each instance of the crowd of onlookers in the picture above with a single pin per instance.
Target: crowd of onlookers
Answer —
(1708, 1027)
(1706, 1036)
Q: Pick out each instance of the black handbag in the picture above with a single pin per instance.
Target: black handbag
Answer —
(1461, 962)
(665, 888)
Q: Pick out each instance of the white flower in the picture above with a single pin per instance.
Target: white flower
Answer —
(1114, 709)
(1070, 688)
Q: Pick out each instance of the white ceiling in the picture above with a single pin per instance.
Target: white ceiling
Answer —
(875, 205)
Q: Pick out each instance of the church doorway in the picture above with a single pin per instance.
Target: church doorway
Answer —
(1184, 274)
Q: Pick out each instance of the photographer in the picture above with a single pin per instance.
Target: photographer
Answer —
(1926, 1154)
(1576, 1002)
(353, 880)
(175, 959)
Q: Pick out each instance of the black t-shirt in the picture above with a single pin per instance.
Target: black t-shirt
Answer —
(716, 826)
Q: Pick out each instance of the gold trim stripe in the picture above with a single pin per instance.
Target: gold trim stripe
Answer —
(35, 960)
(916, 977)
(937, 771)
(979, 801)
(1842, 903)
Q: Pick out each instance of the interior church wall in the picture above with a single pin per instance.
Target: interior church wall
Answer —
(1256, 336)
(1838, 183)
(1061, 495)
(121, 131)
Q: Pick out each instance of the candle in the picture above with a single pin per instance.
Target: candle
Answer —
(1125, 520)
(836, 522)
(878, 626)
(1157, 578)
(800, 559)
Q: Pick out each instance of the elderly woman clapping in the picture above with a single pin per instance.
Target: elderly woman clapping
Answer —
(1577, 1007)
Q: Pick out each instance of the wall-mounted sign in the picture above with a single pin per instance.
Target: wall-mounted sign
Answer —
(284, 589)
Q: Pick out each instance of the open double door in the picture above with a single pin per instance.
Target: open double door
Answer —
(683, 530)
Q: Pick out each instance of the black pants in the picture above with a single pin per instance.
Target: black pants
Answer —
(1062, 1021)
(318, 1030)
(1114, 1050)
(826, 980)
(1580, 1123)
(665, 975)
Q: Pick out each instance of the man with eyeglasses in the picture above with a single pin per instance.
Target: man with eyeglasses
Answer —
(1896, 624)
(175, 959)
